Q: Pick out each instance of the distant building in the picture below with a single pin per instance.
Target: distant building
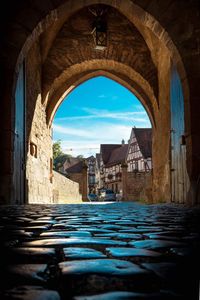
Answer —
(70, 161)
(75, 173)
(73, 168)
(139, 155)
(112, 156)
(91, 163)
(136, 156)
(97, 171)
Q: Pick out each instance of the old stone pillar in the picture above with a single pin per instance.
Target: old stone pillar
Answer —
(161, 133)
(84, 181)
(124, 167)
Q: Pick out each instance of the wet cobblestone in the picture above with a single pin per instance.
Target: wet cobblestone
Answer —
(112, 251)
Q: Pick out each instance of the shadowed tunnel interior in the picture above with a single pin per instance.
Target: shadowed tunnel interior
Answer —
(56, 251)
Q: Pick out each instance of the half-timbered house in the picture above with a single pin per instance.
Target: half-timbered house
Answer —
(112, 156)
(139, 154)
(136, 155)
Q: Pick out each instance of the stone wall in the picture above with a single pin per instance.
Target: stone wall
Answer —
(42, 184)
(65, 190)
(39, 141)
(138, 186)
(78, 177)
(26, 24)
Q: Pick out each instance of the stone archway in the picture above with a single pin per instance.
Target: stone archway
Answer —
(151, 31)
(111, 69)
(65, 67)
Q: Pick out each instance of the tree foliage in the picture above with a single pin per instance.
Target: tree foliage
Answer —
(57, 151)
(59, 157)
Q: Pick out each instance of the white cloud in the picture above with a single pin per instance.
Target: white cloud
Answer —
(74, 118)
(82, 147)
(103, 131)
(134, 116)
(126, 116)
(93, 136)
(84, 137)
(70, 131)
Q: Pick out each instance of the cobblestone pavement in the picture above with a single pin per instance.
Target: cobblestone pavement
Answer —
(99, 252)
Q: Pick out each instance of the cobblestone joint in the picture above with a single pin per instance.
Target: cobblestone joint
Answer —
(111, 251)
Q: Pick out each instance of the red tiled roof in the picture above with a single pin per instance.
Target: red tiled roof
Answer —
(144, 139)
(106, 150)
(118, 155)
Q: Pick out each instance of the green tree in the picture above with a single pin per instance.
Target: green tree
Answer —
(57, 151)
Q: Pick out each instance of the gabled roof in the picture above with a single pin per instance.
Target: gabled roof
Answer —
(118, 155)
(76, 168)
(70, 161)
(144, 139)
(90, 158)
(106, 150)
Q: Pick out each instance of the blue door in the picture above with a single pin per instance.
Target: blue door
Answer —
(19, 142)
(179, 176)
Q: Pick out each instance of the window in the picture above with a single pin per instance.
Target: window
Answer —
(33, 149)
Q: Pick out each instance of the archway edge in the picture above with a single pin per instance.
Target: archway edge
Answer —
(143, 20)
(124, 75)
(133, 12)
(137, 15)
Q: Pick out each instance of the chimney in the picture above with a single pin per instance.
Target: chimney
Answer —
(123, 142)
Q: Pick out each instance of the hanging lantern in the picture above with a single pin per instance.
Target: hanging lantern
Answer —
(99, 32)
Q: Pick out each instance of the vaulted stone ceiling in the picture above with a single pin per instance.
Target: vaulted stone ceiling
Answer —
(74, 44)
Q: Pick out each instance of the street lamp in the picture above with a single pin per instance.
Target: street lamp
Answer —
(99, 31)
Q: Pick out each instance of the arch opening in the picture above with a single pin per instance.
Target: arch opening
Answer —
(144, 94)
(101, 117)
(152, 32)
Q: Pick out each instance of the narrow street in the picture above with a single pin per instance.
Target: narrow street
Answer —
(92, 251)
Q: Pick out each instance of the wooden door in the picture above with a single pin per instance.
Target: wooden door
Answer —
(179, 177)
(19, 142)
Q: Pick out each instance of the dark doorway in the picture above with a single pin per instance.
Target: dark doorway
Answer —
(19, 142)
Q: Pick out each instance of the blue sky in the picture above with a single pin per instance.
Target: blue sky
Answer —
(99, 111)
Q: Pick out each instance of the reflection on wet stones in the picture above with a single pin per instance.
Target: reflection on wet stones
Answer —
(155, 244)
(82, 253)
(124, 252)
(110, 252)
(103, 275)
(130, 296)
(63, 242)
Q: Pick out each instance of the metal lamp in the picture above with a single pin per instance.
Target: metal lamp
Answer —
(99, 31)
